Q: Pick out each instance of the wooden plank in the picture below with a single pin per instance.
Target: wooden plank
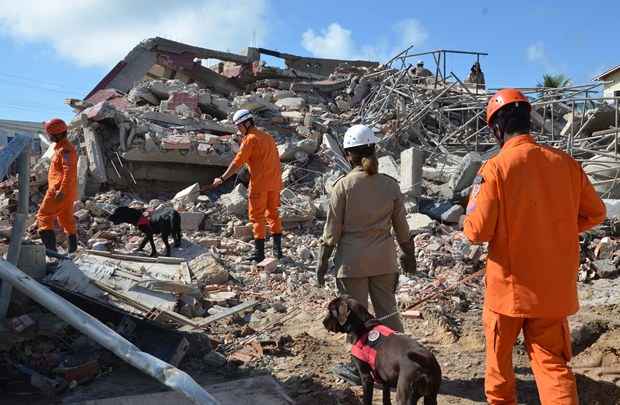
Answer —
(163, 260)
(230, 311)
(249, 391)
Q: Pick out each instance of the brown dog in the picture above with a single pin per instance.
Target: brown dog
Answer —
(399, 361)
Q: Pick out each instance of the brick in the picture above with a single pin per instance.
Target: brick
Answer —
(268, 265)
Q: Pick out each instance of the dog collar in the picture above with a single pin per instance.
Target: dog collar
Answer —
(365, 348)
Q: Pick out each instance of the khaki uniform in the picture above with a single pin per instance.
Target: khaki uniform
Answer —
(363, 210)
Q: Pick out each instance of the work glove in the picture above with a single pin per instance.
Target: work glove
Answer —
(325, 252)
(407, 258)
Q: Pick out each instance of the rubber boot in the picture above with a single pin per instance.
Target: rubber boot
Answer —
(73, 243)
(277, 246)
(48, 237)
(259, 251)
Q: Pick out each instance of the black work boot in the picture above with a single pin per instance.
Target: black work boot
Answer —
(259, 251)
(73, 243)
(277, 246)
(48, 237)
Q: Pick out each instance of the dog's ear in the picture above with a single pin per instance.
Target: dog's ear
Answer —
(343, 312)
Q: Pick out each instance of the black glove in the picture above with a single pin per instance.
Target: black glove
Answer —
(408, 263)
(407, 258)
(325, 252)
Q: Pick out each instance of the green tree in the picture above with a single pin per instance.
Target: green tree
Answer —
(554, 81)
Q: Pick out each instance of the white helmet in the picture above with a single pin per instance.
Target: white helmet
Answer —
(242, 116)
(359, 135)
(420, 63)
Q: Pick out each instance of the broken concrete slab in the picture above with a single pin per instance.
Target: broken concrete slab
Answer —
(466, 172)
(291, 103)
(418, 222)
(207, 270)
(293, 116)
(453, 214)
(191, 221)
(286, 151)
(254, 103)
(236, 201)
(605, 268)
(388, 165)
(187, 195)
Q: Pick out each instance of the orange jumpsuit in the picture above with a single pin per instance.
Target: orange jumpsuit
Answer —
(258, 150)
(62, 176)
(531, 202)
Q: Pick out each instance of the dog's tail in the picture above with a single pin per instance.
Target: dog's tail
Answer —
(432, 382)
(176, 228)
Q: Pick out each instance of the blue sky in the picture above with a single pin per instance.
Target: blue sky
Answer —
(60, 49)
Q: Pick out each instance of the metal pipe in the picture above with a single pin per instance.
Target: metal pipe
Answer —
(106, 337)
(19, 226)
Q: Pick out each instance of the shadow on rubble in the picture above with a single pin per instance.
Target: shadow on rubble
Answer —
(591, 392)
(305, 390)
(473, 390)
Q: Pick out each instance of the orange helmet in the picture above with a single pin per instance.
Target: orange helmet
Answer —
(501, 99)
(55, 126)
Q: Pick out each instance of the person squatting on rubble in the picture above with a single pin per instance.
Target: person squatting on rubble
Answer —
(61, 189)
(260, 153)
(364, 206)
(530, 202)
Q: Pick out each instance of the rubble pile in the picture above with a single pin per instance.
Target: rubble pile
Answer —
(154, 142)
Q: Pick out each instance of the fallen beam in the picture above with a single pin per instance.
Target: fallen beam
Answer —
(106, 337)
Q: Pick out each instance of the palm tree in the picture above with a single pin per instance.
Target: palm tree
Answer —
(554, 81)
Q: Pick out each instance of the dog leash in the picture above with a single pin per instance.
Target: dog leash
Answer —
(434, 295)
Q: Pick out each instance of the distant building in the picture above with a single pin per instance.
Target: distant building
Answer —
(612, 77)
(8, 130)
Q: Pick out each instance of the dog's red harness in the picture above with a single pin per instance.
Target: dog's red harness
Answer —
(144, 223)
(365, 348)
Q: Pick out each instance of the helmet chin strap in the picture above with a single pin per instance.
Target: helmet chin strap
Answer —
(499, 135)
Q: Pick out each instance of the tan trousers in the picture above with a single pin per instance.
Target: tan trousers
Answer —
(381, 290)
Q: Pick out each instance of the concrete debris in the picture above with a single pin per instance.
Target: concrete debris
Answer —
(235, 202)
(388, 165)
(153, 136)
(466, 172)
(187, 196)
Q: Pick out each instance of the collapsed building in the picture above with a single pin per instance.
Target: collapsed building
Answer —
(157, 126)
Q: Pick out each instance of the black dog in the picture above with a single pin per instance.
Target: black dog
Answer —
(164, 221)
(400, 361)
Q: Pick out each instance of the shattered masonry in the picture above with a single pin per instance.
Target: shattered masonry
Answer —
(158, 126)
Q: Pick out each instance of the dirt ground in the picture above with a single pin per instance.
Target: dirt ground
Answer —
(300, 354)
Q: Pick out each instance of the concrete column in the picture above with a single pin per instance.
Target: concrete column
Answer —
(411, 164)
(96, 163)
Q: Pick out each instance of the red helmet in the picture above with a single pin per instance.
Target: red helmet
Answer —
(55, 126)
(503, 98)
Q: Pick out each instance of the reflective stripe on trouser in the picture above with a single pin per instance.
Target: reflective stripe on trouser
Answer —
(381, 290)
(549, 348)
(263, 209)
(51, 209)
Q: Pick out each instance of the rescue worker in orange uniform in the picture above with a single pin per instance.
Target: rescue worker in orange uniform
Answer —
(530, 202)
(61, 189)
(258, 150)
